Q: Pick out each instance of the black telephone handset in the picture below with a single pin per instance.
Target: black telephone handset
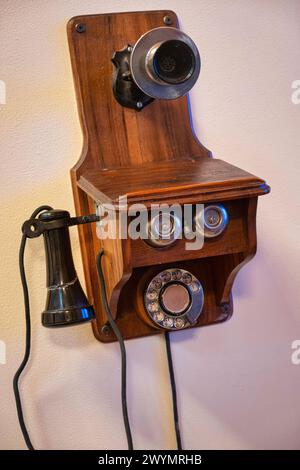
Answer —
(66, 302)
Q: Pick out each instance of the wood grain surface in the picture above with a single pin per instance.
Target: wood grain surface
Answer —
(150, 156)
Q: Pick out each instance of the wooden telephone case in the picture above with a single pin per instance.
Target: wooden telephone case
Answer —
(151, 156)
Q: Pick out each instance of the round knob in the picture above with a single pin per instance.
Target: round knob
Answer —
(212, 220)
(164, 229)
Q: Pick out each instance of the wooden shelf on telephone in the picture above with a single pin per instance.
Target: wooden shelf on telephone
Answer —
(202, 178)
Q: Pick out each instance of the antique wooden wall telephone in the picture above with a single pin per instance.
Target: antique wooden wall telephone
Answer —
(132, 72)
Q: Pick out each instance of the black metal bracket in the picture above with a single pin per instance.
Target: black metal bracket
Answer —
(33, 228)
(126, 92)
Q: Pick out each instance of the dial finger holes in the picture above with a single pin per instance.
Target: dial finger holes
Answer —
(174, 299)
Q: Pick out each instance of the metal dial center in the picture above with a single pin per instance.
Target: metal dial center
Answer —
(175, 298)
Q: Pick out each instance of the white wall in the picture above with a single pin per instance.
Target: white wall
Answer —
(237, 386)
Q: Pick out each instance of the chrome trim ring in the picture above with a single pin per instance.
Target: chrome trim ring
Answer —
(214, 218)
(141, 70)
(162, 234)
(190, 311)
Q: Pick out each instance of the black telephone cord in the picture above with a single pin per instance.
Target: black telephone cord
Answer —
(173, 388)
(123, 355)
(114, 328)
(119, 337)
(28, 333)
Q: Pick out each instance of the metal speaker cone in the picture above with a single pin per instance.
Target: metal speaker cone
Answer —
(165, 63)
(66, 302)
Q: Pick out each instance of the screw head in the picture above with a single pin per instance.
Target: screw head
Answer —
(168, 20)
(129, 48)
(105, 330)
(80, 27)
(139, 105)
(225, 308)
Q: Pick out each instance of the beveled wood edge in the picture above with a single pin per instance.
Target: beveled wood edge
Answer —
(84, 232)
(211, 193)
